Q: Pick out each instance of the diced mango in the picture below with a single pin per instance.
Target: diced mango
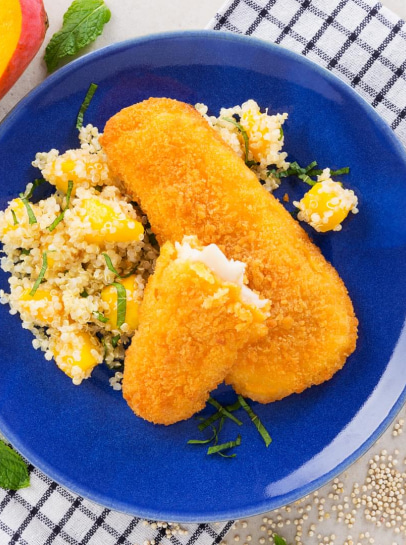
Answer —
(19, 210)
(39, 307)
(252, 124)
(109, 296)
(55, 263)
(83, 169)
(326, 206)
(67, 167)
(52, 264)
(77, 353)
(51, 260)
(107, 225)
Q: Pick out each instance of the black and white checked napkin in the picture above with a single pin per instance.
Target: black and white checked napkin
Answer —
(360, 41)
(364, 44)
(49, 514)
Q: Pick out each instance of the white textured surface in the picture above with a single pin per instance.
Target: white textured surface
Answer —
(132, 18)
(398, 6)
(129, 18)
(337, 514)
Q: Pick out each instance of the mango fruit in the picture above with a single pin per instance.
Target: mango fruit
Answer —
(23, 24)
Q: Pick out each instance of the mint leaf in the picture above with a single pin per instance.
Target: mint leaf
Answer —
(13, 471)
(82, 23)
(278, 540)
(85, 104)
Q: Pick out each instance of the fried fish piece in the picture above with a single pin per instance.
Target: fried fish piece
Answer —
(192, 325)
(188, 181)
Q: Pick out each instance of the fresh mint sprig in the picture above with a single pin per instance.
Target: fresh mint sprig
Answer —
(304, 173)
(31, 216)
(245, 138)
(256, 421)
(41, 274)
(59, 218)
(101, 317)
(29, 190)
(219, 414)
(121, 303)
(85, 104)
(224, 414)
(217, 449)
(111, 267)
(278, 540)
(82, 23)
(15, 220)
(13, 470)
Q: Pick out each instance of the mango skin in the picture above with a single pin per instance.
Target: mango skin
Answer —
(33, 29)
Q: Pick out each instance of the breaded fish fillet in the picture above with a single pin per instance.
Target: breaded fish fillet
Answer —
(192, 326)
(188, 181)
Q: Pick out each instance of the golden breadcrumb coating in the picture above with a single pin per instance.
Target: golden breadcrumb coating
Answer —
(192, 326)
(189, 182)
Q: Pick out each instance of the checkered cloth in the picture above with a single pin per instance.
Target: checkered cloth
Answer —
(49, 514)
(362, 43)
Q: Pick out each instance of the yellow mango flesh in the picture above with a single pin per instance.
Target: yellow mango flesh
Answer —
(109, 296)
(107, 225)
(69, 174)
(86, 361)
(68, 167)
(10, 30)
(43, 313)
(247, 119)
(50, 261)
(318, 202)
(52, 264)
(19, 210)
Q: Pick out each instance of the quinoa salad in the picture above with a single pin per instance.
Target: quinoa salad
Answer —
(79, 259)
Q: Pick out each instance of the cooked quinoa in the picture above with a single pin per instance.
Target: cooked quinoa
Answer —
(327, 204)
(73, 312)
(265, 136)
(76, 257)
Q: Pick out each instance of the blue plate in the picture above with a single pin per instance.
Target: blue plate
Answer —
(86, 437)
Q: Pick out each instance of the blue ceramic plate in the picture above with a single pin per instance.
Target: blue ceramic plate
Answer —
(86, 437)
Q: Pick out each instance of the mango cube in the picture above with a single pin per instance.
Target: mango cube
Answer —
(77, 358)
(326, 205)
(108, 225)
(17, 206)
(109, 296)
(83, 169)
(40, 305)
